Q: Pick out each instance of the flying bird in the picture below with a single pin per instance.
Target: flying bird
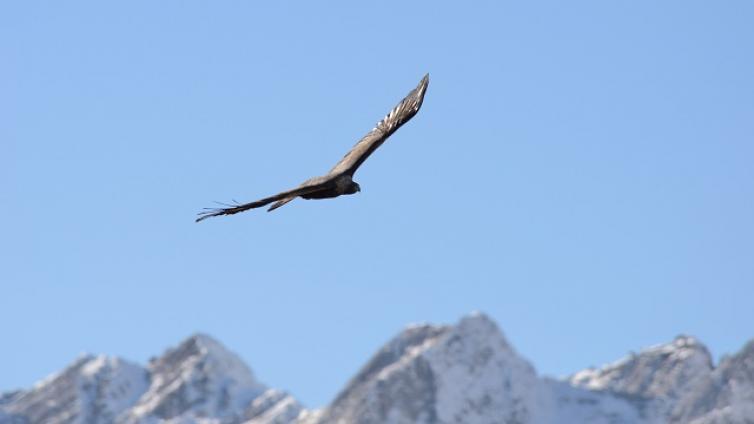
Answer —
(339, 180)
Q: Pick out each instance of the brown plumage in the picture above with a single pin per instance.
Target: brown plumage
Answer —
(339, 180)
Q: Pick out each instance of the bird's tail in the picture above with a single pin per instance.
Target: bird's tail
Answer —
(280, 203)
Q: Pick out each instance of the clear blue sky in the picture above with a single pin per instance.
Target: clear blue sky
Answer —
(583, 173)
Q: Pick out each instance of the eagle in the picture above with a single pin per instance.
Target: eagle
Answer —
(339, 180)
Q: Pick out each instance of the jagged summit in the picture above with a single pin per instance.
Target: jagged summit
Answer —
(724, 396)
(661, 370)
(198, 378)
(427, 374)
(92, 389)
(462, 373)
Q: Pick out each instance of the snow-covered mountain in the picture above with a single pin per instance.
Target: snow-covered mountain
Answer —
(198, 381)
(466, 373)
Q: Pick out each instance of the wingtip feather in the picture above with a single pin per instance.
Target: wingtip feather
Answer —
(422, 87)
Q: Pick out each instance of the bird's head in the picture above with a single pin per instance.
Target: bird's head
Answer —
(353, 188)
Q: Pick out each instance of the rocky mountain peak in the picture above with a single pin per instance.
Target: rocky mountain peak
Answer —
(463, 373)
(724, 396)
(198, 378)
(92, 389)
(664, 370)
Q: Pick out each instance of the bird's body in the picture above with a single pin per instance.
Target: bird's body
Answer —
(344, 184)
(339, 181)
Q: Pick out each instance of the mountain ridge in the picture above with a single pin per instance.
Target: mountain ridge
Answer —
(463, 373)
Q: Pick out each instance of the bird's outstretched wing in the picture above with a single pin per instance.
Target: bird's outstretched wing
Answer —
(402, 113)
(309, 186)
